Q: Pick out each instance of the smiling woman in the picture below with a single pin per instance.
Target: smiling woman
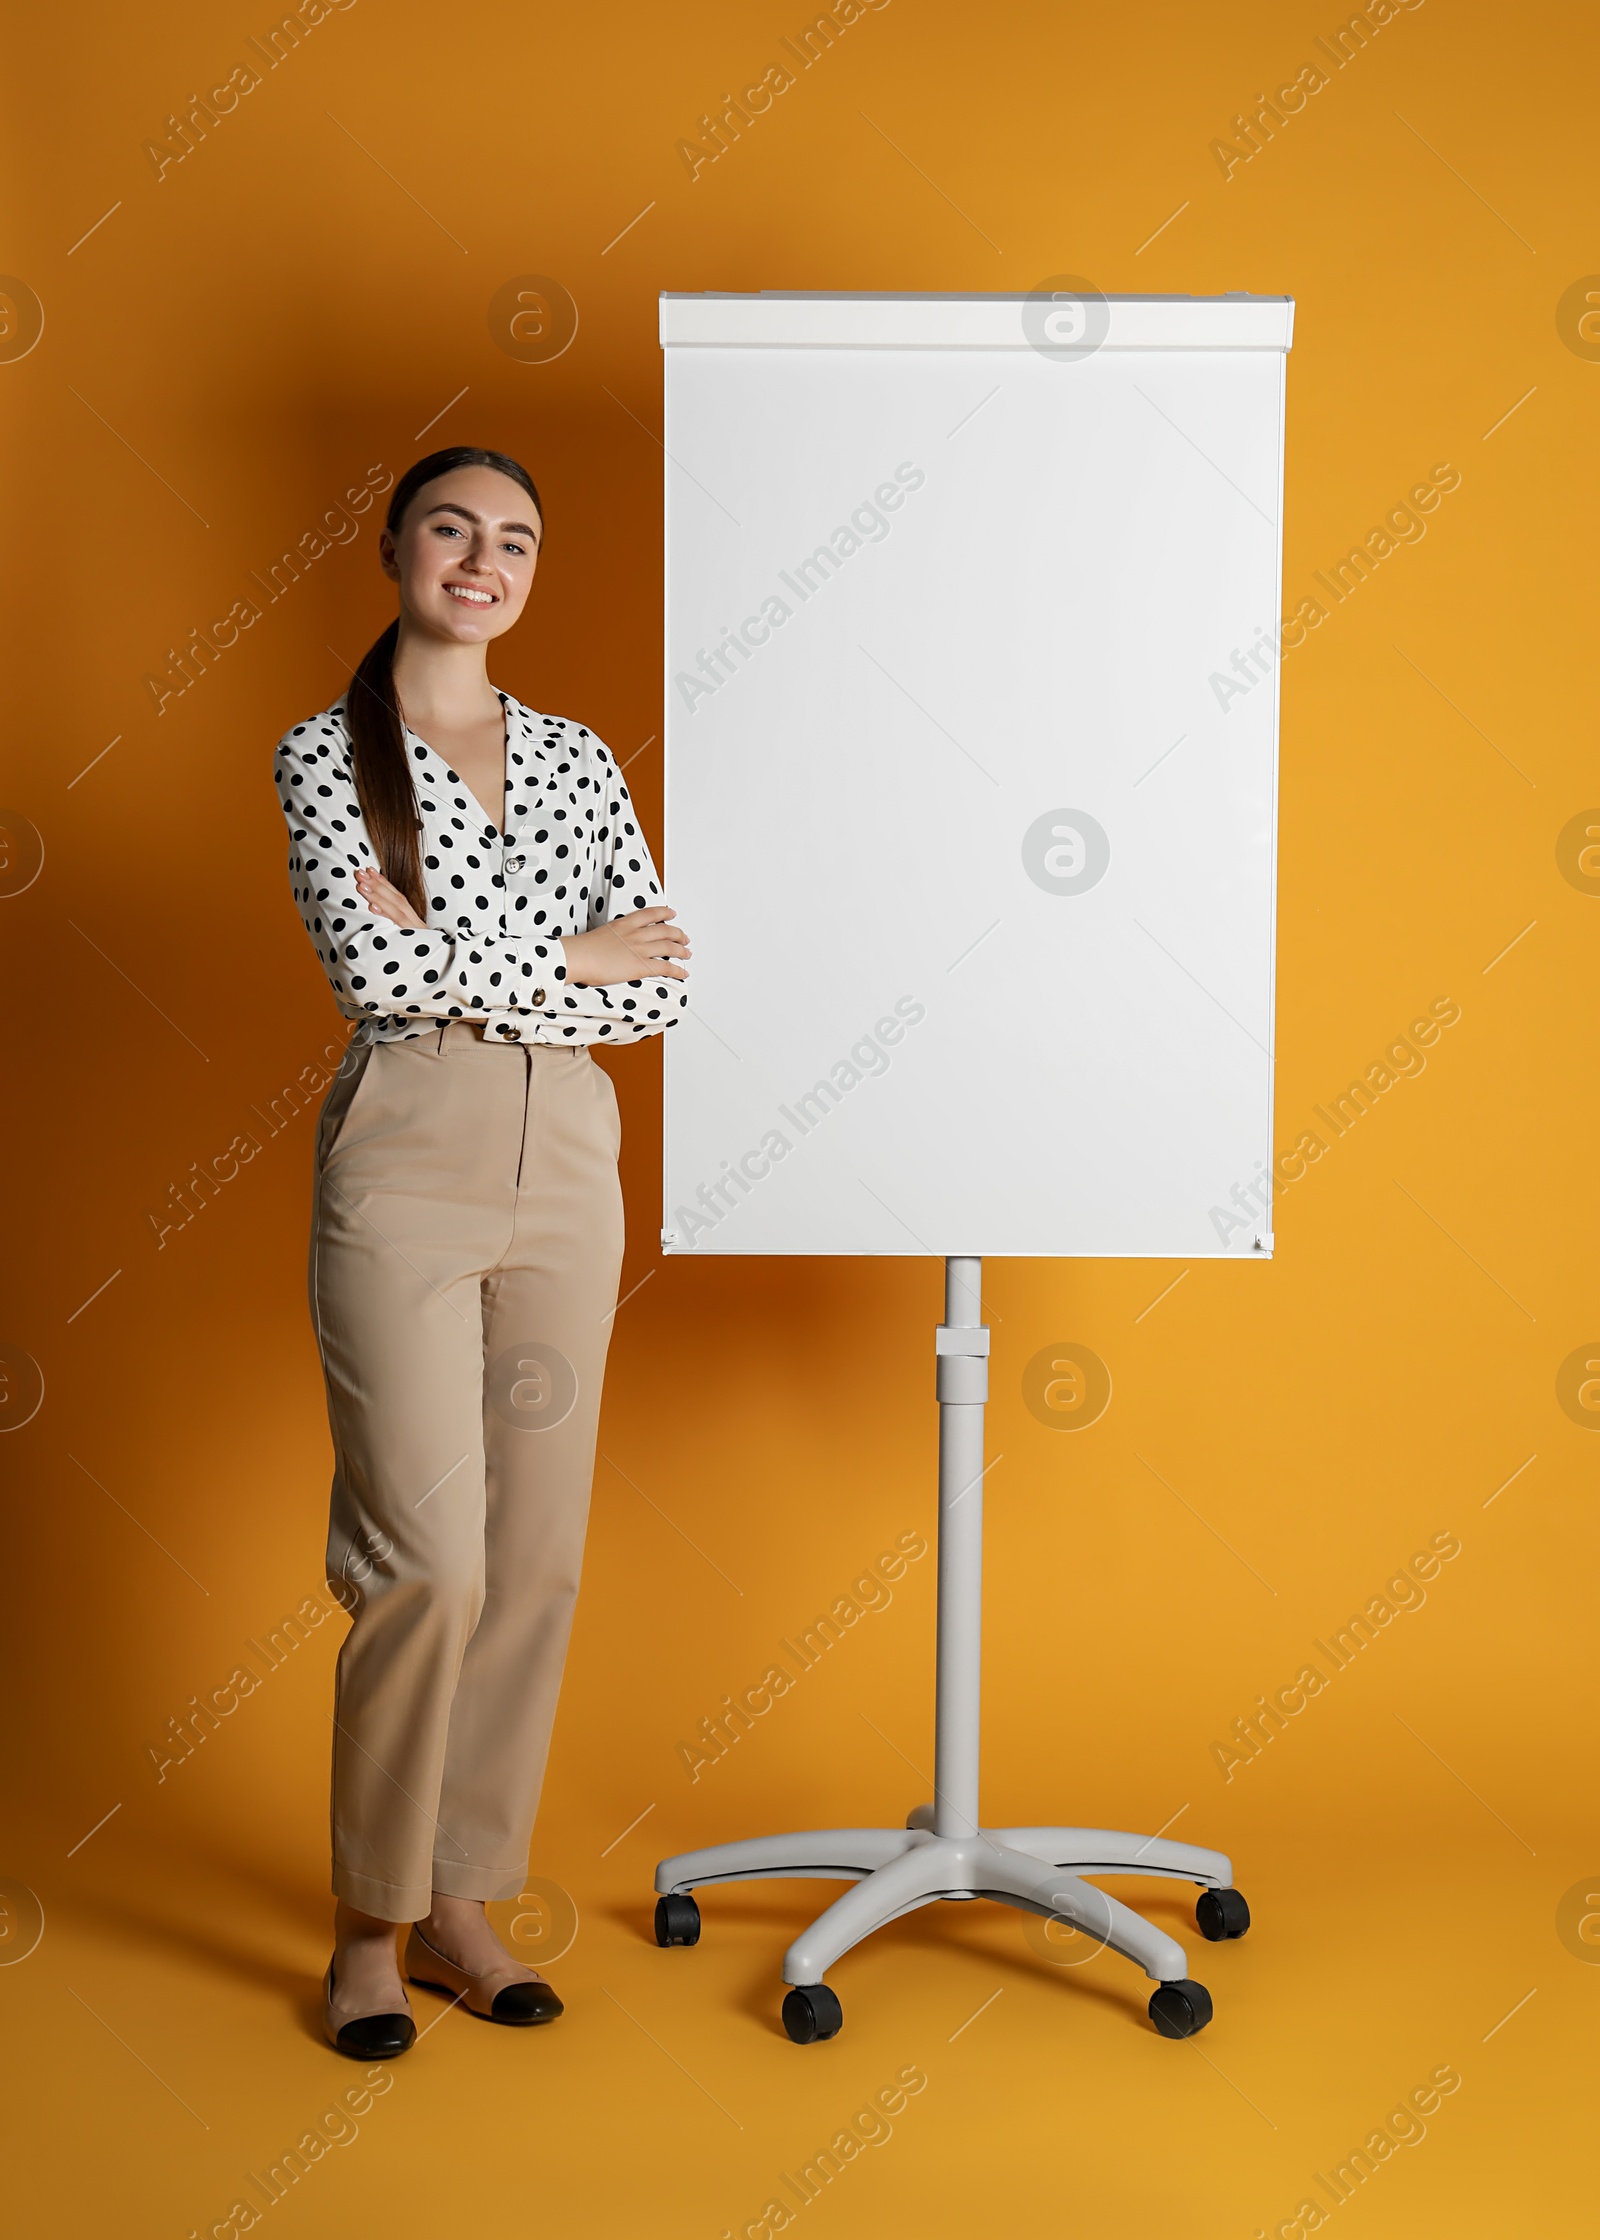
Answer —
(477, 889)
(468, 568)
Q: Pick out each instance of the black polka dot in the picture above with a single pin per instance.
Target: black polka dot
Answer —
(465, 959)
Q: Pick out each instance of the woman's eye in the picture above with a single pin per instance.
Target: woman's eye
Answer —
(517, 549)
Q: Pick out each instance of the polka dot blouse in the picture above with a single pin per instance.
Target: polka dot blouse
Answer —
(570, 857)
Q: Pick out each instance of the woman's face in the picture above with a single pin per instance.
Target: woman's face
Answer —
(464, 555)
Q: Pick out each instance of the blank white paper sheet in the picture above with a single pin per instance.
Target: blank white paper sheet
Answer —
(972, 653)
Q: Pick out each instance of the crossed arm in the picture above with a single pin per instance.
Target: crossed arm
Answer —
(642, 945)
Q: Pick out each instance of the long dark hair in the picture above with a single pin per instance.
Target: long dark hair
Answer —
(384, 785)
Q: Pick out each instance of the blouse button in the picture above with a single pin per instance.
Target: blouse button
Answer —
(515, 863)
(538, 997)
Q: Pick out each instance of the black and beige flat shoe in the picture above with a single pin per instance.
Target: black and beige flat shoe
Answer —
(378, 2036)
(507, 1994)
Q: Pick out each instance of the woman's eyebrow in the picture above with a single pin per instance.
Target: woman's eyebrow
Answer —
(466, 514)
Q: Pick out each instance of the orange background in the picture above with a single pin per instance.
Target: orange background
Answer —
(300, 298)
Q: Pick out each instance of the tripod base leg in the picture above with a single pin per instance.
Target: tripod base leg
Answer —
(832, 1854)
(1017, 1879)
(1112, 1851)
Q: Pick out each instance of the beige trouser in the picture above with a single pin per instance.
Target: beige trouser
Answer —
(466, 1241)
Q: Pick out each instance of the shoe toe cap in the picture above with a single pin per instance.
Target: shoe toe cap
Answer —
(377, 2037)
(525, 2003)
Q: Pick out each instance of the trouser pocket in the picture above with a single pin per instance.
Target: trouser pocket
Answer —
(340, 1100)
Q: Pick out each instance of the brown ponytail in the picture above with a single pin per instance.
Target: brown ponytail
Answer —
(384, 785)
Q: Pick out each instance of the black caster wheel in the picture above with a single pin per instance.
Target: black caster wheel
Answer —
(677, 1919)
(1220, 1914)
(1181, 2009)
(811, 2012)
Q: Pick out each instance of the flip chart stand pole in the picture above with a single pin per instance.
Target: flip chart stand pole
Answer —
(943, 1852)
(962, 1371)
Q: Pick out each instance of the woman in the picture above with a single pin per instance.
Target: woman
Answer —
(478, 891)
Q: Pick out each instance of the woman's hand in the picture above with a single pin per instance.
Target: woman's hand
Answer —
(386, 901)
(641, 946)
